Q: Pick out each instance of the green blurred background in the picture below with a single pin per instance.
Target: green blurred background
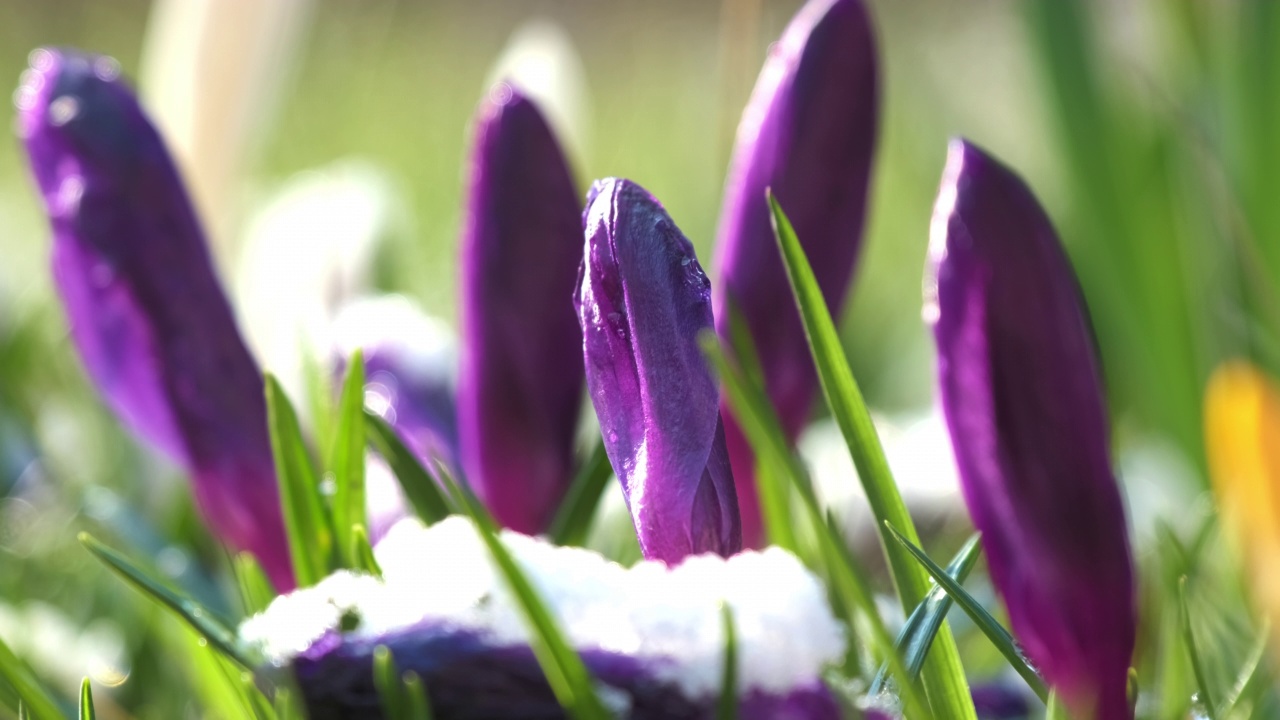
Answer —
(1150, 130)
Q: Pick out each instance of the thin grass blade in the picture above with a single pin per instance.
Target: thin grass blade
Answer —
(727, 708)
(996, 633)
(256, 591)
(86, 701)
(565, 672)
(415, 694)
(1197, 664)
(362, 552)
(32, 694)
(576, 512)
(419, 487)
(918, 632)
(943, 676)
(760, 425)
(204, 622)
(347, 459)
(307, 523)
(386, 680)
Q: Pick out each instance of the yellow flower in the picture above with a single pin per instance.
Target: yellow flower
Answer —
(1242, 435)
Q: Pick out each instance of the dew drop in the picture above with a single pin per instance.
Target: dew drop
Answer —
(40, 59)
(63, 110)
(106, 68)
(501, 94)
(70, 192)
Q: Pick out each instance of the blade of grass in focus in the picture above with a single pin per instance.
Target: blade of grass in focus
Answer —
(86, 701)
(764, 432)
(943, 676)
(1207, 704)
(347, 461)
(256, 592)
(307, 524)
(922, 625)
(565, 672)
(988, 625)
(213, 629)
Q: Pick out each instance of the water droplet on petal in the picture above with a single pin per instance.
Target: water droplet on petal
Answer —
(63, 110)
(106, 68)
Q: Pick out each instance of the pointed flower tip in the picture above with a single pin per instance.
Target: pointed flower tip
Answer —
(520, 379)
(808, 134)
(642, 302)
(1021, 389)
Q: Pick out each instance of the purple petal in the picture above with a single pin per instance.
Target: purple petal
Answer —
(520, 381)
(1021, 390)
(145, 308)
(808, 133)
(466, 677)
(642, 303)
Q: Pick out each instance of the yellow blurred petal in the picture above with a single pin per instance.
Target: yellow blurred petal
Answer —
(1242, 436)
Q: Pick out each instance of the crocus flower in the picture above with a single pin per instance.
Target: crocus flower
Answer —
(1242, 439)
(1021, 391)
(520, 379)
(643, 300)
(651, 636)
(146, 312)
(808, 133)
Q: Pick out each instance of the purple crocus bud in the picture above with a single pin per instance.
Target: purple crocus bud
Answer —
(520, 379)
(651, 636)
(808, 133)
(1021, 390)
(642, 302)
(146, 311)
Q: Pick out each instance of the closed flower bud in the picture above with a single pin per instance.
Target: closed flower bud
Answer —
(1021, 389)
(520, 380)
(146, 312)
(643, 300)
(808, 134)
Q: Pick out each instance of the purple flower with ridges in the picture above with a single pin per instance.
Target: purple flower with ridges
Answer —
(809, 134)
(650, 636)
(521, 377)
(1021, 390)
(643, 300)
(146, 312)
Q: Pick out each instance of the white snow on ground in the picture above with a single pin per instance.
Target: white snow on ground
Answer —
(786, 631)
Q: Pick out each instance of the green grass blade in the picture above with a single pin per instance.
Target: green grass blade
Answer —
(943, 676)
(775, 501)
(1055, 709)
(256, 591)
(419, 487)
(727, 708)
(22, 711)
(287, 708)
(565, 672)
(760, 424)
(1197, 665)
(1248, 673)
(86, 701)
(362, 552)
(996, 633)
(386, 680)
(204, 622)
(922, 626)
(33, 696)
(307, 524)
(416, 697)
(573, 518)
(347, 460)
